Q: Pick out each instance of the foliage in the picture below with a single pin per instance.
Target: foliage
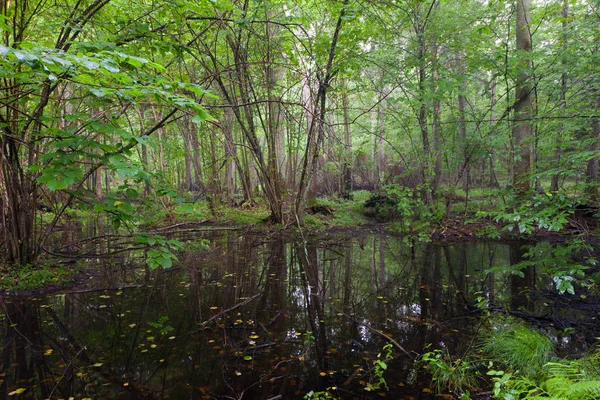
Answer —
(456, 376)
(161, 250)
(539, 212)
(379, 368)
(28, 277)
(563, 261)
(566, 379)
(162, 325)
(322, 395)
(518, 347)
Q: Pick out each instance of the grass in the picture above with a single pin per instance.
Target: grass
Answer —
(346, 213)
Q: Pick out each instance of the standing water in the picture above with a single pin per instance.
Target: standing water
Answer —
(256, 317)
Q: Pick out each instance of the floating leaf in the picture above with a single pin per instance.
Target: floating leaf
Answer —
(18, 391)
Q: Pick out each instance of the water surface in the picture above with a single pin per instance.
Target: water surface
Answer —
(257, 317)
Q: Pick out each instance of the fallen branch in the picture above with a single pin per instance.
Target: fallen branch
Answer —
(243, 303)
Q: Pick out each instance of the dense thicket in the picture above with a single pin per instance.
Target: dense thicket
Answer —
(106, 101)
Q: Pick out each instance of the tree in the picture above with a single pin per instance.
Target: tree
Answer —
(67, 109)
(523, 108)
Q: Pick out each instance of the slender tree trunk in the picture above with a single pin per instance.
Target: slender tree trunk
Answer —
(427, 170)
(437, 126)
(523, 128)
(347, 156)
(593, 164)
(464, 172)
(563, 94)
(186, 132)
(316, 130)
(274, 127)
(230, 154)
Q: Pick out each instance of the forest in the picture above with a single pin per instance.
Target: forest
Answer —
(117, 106)
(129, 126)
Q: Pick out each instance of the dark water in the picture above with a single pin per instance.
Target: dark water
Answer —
(258, 317)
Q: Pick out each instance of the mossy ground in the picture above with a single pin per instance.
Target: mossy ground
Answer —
(29, 277)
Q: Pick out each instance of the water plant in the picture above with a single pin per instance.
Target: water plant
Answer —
(457, 376)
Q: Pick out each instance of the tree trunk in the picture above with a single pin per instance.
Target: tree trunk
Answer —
(346, 191)
(427, 170)
(230, 154)
(316, 129)
(522, 128)
(593, 164)
(563, 94)
(437, 127)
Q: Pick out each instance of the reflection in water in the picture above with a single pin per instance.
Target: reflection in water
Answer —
(257, 317)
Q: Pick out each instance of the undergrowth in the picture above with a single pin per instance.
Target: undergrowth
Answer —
(519, 364)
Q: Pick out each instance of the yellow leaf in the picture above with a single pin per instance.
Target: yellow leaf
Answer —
(48, 352)
(323, 373)
(117, 203)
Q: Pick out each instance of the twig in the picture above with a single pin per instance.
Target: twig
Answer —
(65, 371)
(243, 303)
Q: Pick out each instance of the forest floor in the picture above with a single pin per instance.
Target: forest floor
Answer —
(325, 215)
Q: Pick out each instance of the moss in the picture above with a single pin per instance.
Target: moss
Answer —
(29, 277)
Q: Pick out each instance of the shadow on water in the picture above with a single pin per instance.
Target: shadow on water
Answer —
(263, 318)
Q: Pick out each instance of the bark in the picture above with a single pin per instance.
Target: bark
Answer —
(347, 156)
(493, 180)
(230, 153)
(522, 129)
(274, 124)
(593, 164)
(316, 130)
(563, 93)
(464, 173)
(437, 127)
(427, 170)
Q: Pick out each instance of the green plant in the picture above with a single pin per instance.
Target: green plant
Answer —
(379, 367)
(520, 348)
(31, 276)
(162, 325)
(161, 251)
(323, 395)
(565, 380)
(539, 212)
(456, 376)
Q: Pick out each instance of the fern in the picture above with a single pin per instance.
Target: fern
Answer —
(571, 381)
(584, 390)
(519, 348)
